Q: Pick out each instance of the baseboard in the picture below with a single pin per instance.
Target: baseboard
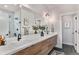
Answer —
(59, 49)
(67, 44)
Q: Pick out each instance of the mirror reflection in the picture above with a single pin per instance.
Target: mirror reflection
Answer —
(19, 20)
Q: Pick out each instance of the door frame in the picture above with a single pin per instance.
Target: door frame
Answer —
(62, 14)
(70, 29)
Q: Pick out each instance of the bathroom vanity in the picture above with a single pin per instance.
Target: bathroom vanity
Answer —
(30, 45)
(42, 47)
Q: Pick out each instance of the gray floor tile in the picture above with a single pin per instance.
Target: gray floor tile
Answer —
(69, 50)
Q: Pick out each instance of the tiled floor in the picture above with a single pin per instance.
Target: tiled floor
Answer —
(67, 50)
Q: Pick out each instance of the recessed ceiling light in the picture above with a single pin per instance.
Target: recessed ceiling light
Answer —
(5, 6)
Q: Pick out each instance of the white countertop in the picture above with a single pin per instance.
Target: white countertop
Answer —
(12, 46)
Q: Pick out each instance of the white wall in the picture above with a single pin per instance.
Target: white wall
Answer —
(54, 19)
(58, 29)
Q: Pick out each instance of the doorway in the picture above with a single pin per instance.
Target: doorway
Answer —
(67, 29)
(70, 32)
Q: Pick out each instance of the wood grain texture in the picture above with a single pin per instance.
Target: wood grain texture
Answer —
(41, 48)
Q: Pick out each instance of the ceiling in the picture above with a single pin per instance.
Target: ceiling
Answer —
(61, 8)
(8, 7)
(40, 8)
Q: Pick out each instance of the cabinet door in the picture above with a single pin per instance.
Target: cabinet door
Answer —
(32, 50)
(41, 48)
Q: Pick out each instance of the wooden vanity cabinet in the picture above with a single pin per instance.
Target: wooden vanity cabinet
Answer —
(41, 48)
